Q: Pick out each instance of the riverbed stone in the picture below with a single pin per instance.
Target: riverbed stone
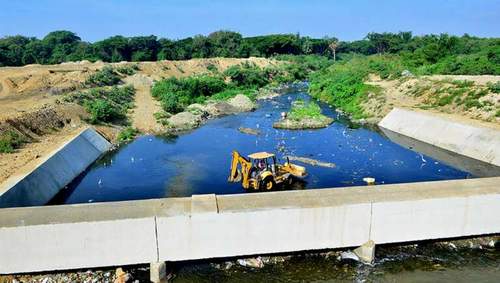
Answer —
(306, 123)
(366, 252)
(242, 103)
(184, 121)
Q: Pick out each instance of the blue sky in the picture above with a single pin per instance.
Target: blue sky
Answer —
(348, 20)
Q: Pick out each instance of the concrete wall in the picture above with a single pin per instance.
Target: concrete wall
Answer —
(208, 226)
(53, 172)
(447, 134)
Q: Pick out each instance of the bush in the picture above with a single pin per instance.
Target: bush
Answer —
(105, 104)
(247, 75)
(176, 94)
(9, 141)
(301, 110)
(127, 134)
(128, 69)
(494, 87)
(104, 77)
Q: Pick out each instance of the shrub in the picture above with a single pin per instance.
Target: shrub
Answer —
(247, 75)
(494, 87)
(9, 141)
(176, 94)
(127, 134)
(301, 110)
(105, 104)
(104, 77)
(128, 69)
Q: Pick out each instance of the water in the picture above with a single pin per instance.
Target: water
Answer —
(425, 262)
(198, 162)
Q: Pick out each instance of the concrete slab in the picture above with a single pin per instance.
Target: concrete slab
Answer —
(445, 133)
(54, 172)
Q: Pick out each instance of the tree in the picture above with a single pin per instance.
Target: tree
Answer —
(225, 43)
(333, 44)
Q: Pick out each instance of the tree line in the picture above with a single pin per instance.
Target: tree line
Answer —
(62, 46)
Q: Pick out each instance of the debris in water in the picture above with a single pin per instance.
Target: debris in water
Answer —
(251, 262)
(348, 255)
(249, 131)
(311, 161)
(369, 180)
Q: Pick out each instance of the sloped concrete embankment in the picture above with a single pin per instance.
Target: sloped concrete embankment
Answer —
(471, 140)
(209, 226)
(53, 172)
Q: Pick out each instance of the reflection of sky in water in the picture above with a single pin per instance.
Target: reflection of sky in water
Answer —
(198, 162)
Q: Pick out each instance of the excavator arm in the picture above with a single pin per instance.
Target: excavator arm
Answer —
(236, 175)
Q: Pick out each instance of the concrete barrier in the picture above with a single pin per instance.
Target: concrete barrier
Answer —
(209, 226)
(54, 172)
(451, 135)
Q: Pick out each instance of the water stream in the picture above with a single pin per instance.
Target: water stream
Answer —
(198, 162)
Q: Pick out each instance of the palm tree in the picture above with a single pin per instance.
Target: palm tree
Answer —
(333, 46)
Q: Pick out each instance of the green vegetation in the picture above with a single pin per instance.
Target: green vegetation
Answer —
(107, 76)
(127, 134)
(9, 141)
(176, 94)
(301, 110)
(128, 69)
(494, 87)
(430, 54)
(342, 85)
(105, 104)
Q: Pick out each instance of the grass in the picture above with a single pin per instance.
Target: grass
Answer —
(304, 110)
(128, 134)
(9, 141)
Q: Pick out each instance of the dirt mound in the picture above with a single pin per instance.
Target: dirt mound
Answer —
(462, 96)
(32, 125)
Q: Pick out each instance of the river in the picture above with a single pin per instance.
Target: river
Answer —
(198, 163)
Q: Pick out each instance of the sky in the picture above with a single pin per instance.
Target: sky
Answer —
(94, 20)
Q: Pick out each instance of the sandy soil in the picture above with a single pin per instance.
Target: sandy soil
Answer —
(145, 105)
(36, 89)
(419, 93)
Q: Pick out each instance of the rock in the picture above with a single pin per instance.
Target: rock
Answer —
(242, 103)
(407, 73)
(184, 121)
(121, 276)
(311, 161)
(249, 131)
(306, 123)
(366, 252)
(251, 262)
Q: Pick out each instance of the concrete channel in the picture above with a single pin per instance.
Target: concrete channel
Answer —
(53, 172)
(63, 237)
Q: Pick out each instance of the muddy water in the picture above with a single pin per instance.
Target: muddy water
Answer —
(198, 162)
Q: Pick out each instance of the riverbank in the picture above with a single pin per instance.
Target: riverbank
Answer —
(33, 110)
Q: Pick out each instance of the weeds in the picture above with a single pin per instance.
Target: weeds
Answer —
(127, 134)
(9, 141)
(104, 77)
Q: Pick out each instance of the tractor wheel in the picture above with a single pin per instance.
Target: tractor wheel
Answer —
(268, 184)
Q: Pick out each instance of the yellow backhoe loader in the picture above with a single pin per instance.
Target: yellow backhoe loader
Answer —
(261, 172)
